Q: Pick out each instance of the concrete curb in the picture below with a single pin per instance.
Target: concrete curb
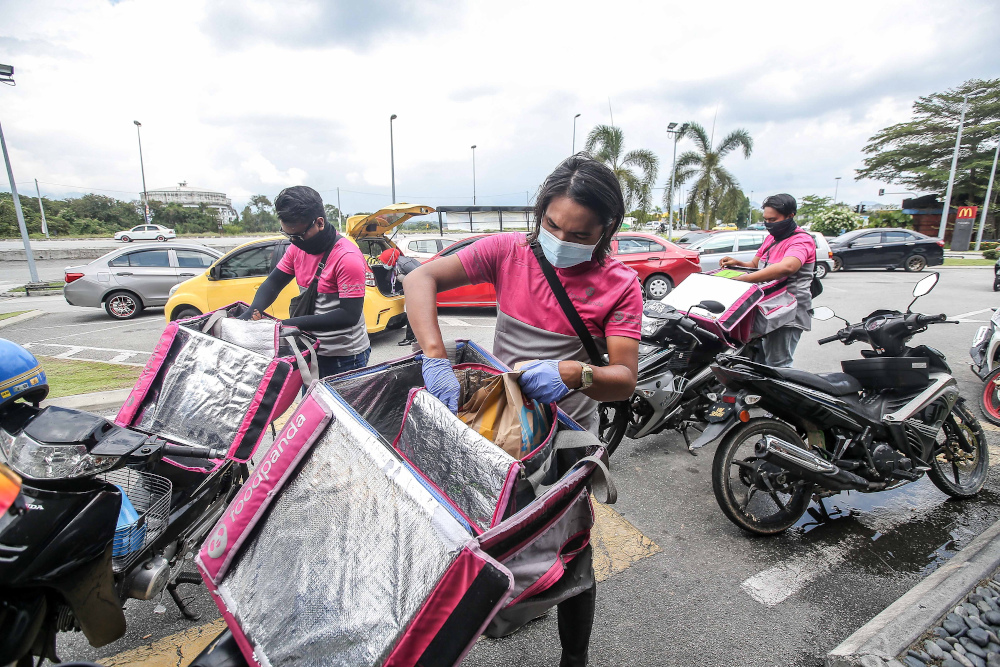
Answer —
(23, 317)
(904, 621)
(96, 401)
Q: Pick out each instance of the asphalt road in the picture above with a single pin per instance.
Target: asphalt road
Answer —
(713, 595)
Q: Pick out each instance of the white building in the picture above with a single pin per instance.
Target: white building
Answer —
(191, 197)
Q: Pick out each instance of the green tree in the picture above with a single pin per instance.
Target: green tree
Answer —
(917, 153)
(889, 219)
(636, 170)
(836, 220)
(704, 165)
(811, 207)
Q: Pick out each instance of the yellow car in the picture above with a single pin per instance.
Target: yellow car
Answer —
(236, 275)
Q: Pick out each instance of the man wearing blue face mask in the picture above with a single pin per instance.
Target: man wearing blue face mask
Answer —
(579, 209)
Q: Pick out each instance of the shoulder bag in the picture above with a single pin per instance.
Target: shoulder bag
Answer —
(305, 303)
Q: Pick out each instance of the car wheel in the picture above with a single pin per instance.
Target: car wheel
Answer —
(658, 286)
(160, 238)
(838, 263)
(996, 285)
(123, 305)
(126, 239)
(915, 263)
(184, 312)
(821, 270)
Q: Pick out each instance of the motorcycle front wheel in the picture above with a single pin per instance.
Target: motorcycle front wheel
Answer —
(989, 397)
(748, 489)
(961, 461)
(614, 419)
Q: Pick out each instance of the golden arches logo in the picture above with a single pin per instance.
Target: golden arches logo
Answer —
(967, 212)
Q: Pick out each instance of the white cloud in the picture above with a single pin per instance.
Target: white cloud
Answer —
(249, 97)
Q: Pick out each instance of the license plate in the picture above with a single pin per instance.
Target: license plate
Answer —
(980, 335)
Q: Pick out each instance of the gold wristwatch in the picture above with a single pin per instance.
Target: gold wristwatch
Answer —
(586, 377)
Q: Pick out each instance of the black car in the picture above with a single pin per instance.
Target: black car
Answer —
(888, 248)
(996, 276)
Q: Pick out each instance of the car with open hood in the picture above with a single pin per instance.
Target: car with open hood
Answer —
(238, 273)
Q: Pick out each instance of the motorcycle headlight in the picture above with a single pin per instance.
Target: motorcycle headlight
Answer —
(34, 460)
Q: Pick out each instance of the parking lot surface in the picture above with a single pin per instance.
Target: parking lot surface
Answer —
(709, 595)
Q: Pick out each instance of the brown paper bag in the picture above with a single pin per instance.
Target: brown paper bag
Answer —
(503, 415)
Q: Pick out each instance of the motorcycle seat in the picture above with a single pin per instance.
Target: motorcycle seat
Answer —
(835, 384)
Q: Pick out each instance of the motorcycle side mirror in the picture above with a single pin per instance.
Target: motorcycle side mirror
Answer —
(923, 287)
(823, 314)
(713, 307)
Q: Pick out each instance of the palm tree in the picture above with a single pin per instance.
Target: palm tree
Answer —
(704, 164)
(635, 170)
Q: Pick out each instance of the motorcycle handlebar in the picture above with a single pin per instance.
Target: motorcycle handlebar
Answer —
(829, 339)
(193, 452)
(930, 319)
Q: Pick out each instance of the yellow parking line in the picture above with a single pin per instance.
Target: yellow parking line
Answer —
(617, 546)
(176, 650)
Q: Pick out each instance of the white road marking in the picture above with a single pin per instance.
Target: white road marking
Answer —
(455, 322)
(775, 584)
(970, 314)
(84, 353)
(86, 333)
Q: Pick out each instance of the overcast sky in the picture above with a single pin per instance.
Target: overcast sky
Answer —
(249, 96)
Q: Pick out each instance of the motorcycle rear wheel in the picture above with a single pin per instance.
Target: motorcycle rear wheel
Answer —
(753, 510)
(614, 419)
(989, 397)
(961, 462)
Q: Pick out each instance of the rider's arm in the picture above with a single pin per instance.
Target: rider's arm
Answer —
(614, 382)
(785, 267)
(732, 261)
(268, 292)
(343, 317)
(421, 289)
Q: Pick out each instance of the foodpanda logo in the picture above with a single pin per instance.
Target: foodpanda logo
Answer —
(218, 542)
(263, 471)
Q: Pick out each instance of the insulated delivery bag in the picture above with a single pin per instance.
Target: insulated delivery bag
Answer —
(379, 529)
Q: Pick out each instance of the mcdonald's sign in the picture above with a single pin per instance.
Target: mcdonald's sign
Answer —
(966, 212)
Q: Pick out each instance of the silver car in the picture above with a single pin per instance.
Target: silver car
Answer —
(126, 281)
(744, 245)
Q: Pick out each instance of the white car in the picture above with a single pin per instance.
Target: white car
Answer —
(425, 247)
(145, 233)
(743, 246)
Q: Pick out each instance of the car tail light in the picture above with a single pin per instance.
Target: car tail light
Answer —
(940, 242)
(369, 278)
(830, 254)
(70, 277)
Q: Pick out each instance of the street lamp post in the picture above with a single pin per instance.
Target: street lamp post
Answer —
(7, 76)
(473, 174)
(836, 189)
(954, 163)
(574, 134)
(986, 204)
(142, 168)
(670, 214)
(392, 158)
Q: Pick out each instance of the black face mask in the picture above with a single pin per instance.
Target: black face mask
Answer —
(782, 229)
(318, 244)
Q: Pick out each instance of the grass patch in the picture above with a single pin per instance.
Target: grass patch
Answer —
(4, 316)
(51, 285)
(71, 376)
(957, 261)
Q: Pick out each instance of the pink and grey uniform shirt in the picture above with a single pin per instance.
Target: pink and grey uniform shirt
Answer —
(530, 323)
(802, 246)
(343, 277)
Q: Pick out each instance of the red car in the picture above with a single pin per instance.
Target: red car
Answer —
(660, 264)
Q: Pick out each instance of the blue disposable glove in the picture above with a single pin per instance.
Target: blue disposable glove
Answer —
(440, 380)
(540, 380)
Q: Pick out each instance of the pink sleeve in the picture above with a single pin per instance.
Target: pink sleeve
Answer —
(803, 250)
(286, 262)
(483, 260)
(626, 317)
(349, 275)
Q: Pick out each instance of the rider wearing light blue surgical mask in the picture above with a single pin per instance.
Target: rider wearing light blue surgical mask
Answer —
(564, 254)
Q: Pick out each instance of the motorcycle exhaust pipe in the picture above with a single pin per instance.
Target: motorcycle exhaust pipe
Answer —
(807, 465)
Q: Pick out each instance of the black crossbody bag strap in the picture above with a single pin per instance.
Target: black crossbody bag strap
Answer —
(589, 344)
(306, 301)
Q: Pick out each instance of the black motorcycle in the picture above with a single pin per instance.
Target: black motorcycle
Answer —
(67, 563)
(888, 419)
